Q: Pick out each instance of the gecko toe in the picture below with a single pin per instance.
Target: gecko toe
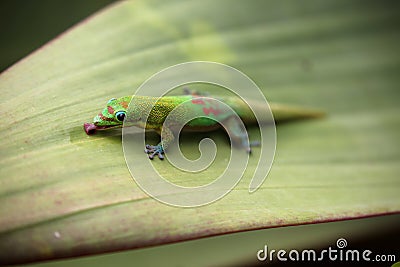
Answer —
(255, 143)
(153, 151)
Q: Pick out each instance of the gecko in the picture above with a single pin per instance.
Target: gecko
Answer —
(207, 112)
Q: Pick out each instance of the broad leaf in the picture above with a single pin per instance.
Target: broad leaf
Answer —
(63, 193)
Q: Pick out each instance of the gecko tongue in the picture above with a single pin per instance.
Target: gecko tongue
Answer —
(90, 128)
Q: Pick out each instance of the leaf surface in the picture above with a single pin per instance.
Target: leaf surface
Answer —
(63, 193)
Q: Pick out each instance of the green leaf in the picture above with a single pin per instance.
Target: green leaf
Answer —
(63, 193)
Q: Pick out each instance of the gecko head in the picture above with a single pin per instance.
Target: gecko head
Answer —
(112, 116)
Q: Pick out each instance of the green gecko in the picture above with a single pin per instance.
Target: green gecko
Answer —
(206, 111)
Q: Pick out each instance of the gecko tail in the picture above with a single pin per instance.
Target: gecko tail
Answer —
(284, 113)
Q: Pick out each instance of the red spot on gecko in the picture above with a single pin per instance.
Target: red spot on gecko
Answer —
(211, 110)
(110, 110)
(124, 104)
(198, 102)
(104, 118)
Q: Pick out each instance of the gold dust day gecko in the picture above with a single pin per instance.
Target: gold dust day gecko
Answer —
(207, 111)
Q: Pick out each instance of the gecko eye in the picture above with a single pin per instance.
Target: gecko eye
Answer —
(120, 116)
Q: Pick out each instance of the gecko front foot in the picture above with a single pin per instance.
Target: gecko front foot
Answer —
(154, 150)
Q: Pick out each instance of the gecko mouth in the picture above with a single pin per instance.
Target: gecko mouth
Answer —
(91, 128)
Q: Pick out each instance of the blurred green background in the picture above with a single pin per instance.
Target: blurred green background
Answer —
(25, 25)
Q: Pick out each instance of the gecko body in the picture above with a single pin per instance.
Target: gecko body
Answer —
(207, 113)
